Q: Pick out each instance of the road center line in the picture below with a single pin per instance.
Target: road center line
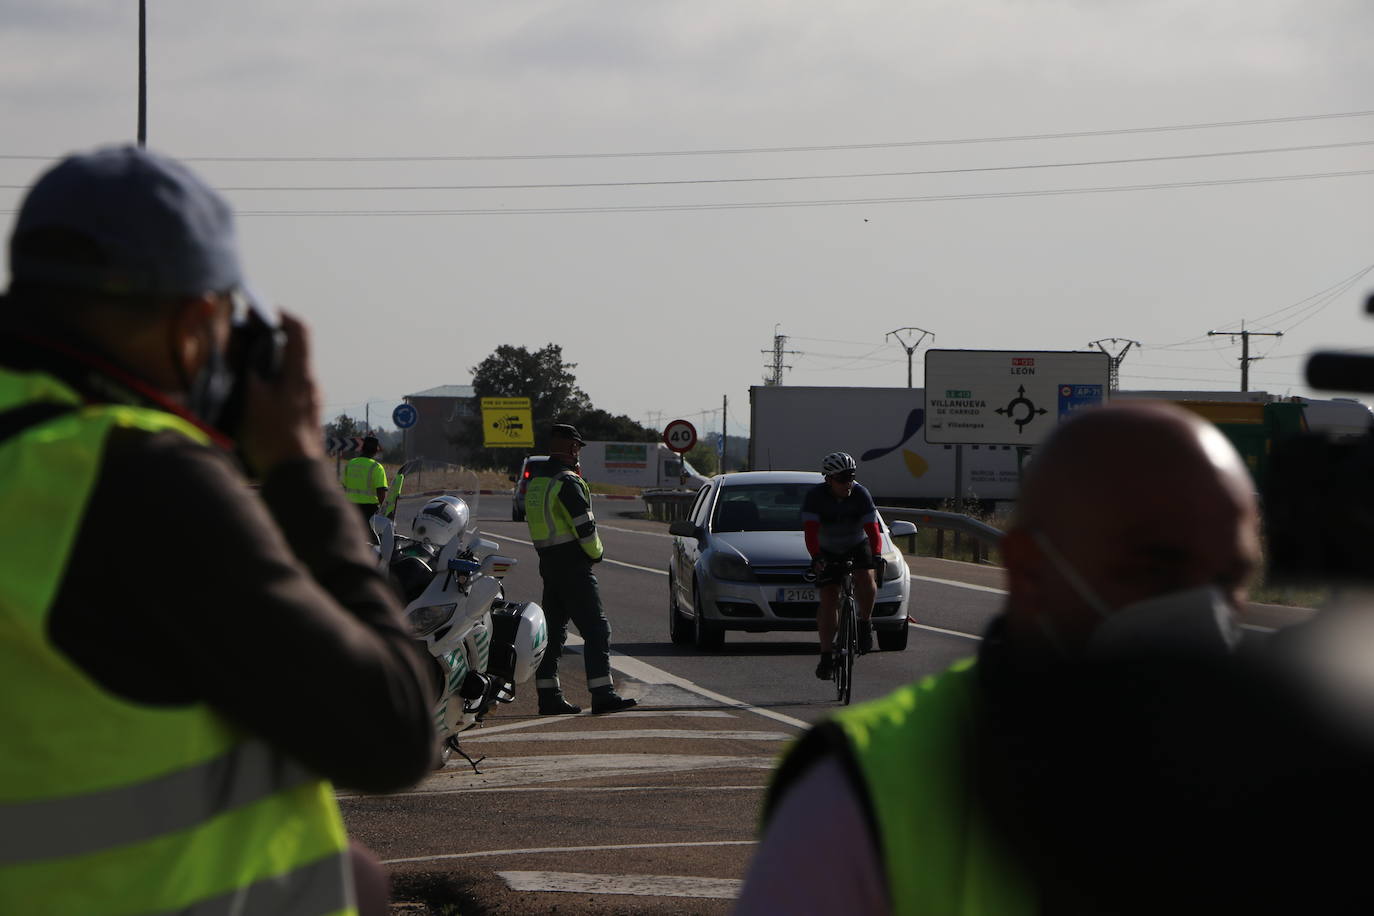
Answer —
(657, 572)
(557, 849)
(652, 534)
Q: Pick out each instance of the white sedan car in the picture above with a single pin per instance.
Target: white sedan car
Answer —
(739, 562)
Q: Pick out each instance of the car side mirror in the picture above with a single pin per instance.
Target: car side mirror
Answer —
(901, 529)
(683, 529)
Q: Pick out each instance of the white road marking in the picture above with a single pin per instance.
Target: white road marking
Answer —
(652, 534)
(648, 674)
(958, 584)
(639, 734)
(657, 572)
(537, 770)
(573, 790)
(943, 631)
(557, 849)
(637, 885)
(680, 713)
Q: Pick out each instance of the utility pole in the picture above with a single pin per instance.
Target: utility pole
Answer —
(1114, 376)
(1245, 358)
(779, 342)
(724, 415)
(910, 348)
(142, 73)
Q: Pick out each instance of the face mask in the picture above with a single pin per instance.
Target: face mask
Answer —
(216, 395)
(1195, 621)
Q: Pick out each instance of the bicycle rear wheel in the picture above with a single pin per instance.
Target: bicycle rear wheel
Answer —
(846, 647)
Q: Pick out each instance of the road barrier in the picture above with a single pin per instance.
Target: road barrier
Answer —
(668, 505)
(983, 535)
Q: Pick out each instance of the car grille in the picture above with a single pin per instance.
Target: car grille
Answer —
(781, 575)
(794, 609)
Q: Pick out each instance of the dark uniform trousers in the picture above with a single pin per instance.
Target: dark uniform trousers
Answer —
(571, 594)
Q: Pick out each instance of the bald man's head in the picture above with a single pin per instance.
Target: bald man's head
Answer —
(1141, 499)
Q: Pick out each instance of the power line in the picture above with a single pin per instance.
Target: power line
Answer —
(838, 202)
(843, 176)
(905, 144)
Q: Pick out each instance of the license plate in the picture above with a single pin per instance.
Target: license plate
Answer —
(789, 595)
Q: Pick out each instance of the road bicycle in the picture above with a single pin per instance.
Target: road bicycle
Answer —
(845, 647)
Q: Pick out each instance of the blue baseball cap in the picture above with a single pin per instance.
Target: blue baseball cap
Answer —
(151, 226)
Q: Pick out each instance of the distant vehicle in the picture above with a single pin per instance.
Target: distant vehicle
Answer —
(739, 562)
(637, 464)
(522, 483)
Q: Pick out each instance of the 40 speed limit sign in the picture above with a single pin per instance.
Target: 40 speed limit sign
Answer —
(680, 436)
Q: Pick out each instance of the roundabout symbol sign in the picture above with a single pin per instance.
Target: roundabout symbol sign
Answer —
(680, 436)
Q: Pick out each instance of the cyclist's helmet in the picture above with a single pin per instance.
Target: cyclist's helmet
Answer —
(838, 463)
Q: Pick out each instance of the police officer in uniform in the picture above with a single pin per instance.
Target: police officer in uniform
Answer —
(365, 481)
(558, 509)
(183, 675)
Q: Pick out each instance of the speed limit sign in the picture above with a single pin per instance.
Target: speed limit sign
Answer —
(680, 436)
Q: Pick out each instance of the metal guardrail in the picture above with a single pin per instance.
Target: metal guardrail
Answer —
(984, 536)
(668, 505)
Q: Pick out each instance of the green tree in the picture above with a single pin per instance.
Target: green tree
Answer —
(541, 375)
(342, 426)
(703, 457)
(599, 425)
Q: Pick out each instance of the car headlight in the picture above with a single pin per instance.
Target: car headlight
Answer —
(731, 567)
(894, 567)
(425, 620)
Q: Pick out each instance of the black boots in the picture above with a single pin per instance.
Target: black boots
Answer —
(552, 703)
(608, 700)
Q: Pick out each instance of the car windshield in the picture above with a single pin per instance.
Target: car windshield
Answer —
(760, 507)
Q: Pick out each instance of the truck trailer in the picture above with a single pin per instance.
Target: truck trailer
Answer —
(637, 464)
(792, 428)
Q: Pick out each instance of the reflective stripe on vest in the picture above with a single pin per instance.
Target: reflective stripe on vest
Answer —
(359, 480)
(109, 806)
(939, 856)
(544, 513)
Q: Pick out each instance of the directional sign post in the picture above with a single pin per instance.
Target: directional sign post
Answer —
(1008, 397)
(507, 423)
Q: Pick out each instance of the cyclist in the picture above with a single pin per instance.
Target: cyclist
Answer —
(840, 522)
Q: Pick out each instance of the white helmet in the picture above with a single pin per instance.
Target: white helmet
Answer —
(838, 463)
(441, 520)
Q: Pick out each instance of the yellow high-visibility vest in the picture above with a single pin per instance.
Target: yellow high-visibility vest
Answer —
(362, 477)
(111, 807)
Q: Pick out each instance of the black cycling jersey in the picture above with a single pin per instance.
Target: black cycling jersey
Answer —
(841, 520)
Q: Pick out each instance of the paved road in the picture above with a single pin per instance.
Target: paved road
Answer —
(649, 811)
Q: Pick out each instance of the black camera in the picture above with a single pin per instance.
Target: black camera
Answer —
(1319, 493)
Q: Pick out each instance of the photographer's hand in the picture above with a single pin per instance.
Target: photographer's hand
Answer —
(282, 416)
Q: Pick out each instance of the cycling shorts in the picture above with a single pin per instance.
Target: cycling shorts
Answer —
(859, 554)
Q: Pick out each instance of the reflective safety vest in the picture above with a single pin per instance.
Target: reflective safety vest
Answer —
(108, 806)
(362, 477)
(549, 520)
(938, 853)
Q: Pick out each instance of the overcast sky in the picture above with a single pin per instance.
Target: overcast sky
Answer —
(665, 276)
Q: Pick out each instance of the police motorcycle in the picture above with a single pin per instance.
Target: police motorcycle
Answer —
(451, 582)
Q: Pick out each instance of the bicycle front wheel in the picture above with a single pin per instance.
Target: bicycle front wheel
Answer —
(846, 647)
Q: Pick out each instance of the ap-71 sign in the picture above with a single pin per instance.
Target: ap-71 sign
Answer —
(1008, 397)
